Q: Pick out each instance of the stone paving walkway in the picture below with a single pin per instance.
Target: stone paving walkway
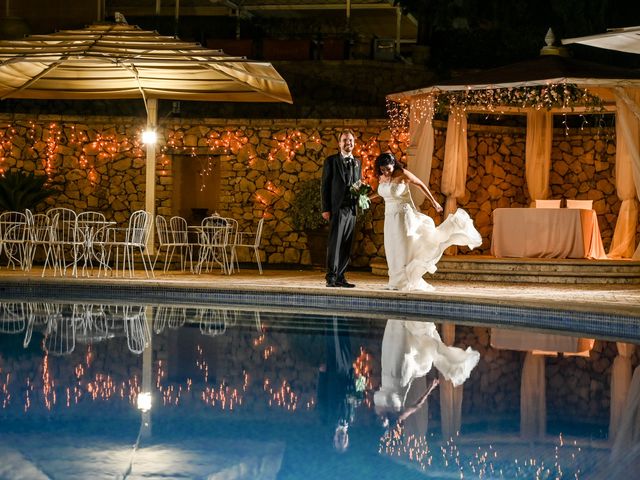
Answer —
(619, 299)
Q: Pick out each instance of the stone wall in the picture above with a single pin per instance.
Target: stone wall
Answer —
(99, 163)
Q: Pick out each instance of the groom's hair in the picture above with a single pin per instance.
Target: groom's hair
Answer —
(346, 131)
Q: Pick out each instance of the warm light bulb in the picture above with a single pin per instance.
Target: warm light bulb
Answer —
(149, 136)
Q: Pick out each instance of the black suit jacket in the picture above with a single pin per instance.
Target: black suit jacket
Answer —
(336, 181)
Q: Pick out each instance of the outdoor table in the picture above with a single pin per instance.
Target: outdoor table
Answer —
(213, 242)
(94, 233)
(546, 233)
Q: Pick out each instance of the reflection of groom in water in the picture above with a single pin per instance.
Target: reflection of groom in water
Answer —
(339, 172)
(337, 394)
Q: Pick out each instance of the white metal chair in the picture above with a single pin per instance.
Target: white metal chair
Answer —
(212, 321)
(249, 240)
(136, 328)
(180, 233)
(67, 241)
(60, 335)
(13, 238)
(13, 318)
(38, 235)
(134, 237)
(164, 241)
(171, 236)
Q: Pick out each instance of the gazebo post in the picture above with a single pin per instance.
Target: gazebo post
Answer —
(150, 192)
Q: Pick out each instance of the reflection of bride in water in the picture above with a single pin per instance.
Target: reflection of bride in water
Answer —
(409, 351)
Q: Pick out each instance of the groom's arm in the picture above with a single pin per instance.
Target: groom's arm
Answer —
(327, 181)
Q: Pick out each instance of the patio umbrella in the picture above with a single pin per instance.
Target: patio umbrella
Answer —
(621, 39)
(119, 61)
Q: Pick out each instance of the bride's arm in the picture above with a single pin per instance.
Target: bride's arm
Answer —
(411, 178)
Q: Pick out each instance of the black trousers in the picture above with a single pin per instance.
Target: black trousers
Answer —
(339, 244)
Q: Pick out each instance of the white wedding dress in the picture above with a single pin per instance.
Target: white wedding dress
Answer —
(412, 242)
(409, 350)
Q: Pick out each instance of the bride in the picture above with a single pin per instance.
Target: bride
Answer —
(412, 242)
(410, 349)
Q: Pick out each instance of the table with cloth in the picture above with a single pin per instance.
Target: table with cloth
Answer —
(546, 233)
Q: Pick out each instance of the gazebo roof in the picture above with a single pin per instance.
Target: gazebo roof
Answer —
(543, 70)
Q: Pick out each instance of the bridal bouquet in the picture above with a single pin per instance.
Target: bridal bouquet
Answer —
(361, 191)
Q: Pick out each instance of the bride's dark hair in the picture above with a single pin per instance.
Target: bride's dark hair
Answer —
(386, 159)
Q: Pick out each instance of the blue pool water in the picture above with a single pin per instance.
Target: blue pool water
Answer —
(240, 392)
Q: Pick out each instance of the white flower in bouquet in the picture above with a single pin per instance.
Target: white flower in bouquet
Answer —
(361, 191)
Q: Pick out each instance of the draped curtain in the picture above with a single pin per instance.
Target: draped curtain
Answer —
(421, 141)
(628, 436)
(533, 397)
(623, 243)
(450, 396)
(620, 381)
(538, 153)
(456, 161)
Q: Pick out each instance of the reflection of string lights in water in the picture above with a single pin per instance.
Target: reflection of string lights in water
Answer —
(202, 364)
(85, 385)
(482, 461)
(4, 389)
(268, 350)
(282, 396)
(48, 385)
(223, 396)
(27, 395)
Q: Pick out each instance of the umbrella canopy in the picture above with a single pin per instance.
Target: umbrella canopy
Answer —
(620, 39)
(542, 70)
(109, 61)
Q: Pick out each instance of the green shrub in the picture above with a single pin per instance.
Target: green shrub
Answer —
(21, 190)
(306, 207)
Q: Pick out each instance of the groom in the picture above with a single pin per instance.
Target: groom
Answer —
(339, 172)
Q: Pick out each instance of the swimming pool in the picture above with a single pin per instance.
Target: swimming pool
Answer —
(98, 389)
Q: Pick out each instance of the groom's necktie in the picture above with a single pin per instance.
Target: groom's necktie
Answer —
(348, 165)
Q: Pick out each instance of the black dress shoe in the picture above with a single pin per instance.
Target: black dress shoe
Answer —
(332, 284)
(345, 284)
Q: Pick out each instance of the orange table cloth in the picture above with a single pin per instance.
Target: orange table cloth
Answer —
(546, 233)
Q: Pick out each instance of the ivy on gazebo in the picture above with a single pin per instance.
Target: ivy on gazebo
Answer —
(565, 96)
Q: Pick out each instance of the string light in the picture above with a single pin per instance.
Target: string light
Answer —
(566, 96)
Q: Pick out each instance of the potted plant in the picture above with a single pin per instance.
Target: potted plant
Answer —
(306, 215)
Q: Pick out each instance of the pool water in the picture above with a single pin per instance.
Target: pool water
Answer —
(92, 390)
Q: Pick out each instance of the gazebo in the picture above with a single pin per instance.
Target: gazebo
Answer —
(120, 61)
(625, 389)
(551, 84)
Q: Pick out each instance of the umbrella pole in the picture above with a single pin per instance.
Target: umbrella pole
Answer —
(150, 193)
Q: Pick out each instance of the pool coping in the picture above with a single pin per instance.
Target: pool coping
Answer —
(603, 321)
